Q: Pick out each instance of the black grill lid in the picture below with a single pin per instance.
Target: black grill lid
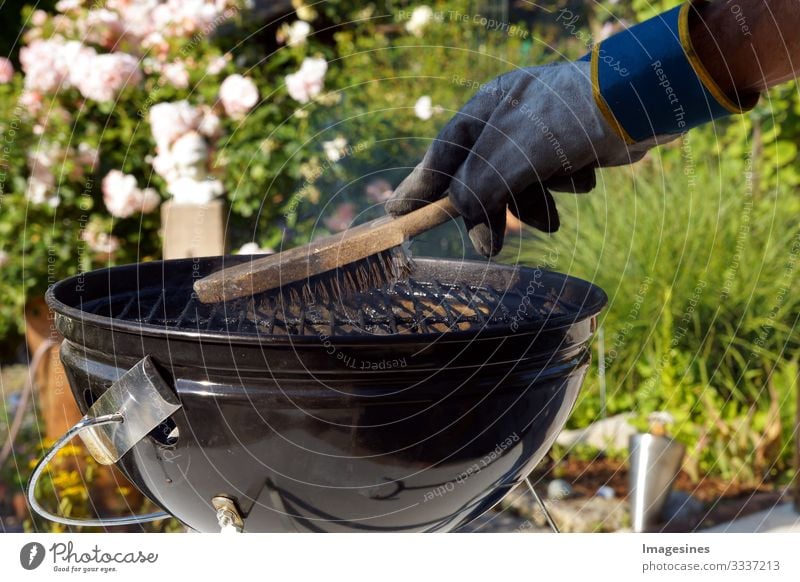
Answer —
(440, 297)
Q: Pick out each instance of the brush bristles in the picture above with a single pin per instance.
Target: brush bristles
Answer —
(376, 271)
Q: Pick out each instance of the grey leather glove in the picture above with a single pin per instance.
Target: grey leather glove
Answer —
(522, 135)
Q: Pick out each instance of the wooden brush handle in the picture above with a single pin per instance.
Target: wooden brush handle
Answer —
(424, 219)
(321, 255)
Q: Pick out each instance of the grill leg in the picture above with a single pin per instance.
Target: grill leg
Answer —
(538, 499)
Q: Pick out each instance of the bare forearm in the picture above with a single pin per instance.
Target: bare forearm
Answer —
(748, 45)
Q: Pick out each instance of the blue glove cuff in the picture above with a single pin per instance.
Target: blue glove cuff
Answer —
(648, 81)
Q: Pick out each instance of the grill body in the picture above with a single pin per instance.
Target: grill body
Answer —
(328, 420)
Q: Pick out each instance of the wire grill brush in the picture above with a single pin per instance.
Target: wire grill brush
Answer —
(367, 256)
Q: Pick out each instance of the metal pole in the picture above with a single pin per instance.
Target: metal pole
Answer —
(538, 499)
(601, 369)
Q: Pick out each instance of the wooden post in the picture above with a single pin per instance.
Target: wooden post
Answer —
(57, 407)
(193, 230)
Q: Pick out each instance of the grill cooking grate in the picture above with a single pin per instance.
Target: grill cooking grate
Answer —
(409, 307)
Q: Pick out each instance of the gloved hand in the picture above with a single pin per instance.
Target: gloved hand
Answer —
(524, 134)
(547, 128)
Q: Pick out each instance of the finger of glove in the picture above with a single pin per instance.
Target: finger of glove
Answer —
(580, 182)
(430, 179)
(487, 235)
(502, 161)
(536, 207)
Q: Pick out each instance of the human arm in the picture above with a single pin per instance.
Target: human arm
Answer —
(541, 129)
(748, 45)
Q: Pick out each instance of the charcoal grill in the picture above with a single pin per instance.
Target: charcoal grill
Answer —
(415, 407)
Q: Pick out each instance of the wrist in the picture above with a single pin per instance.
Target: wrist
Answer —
(649, 80)
(727, 51)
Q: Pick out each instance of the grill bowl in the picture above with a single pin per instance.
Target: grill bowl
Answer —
(411, 409)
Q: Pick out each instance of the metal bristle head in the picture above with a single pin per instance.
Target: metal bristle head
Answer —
(376, 271)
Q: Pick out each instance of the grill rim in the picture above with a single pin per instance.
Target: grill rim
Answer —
(595, 299)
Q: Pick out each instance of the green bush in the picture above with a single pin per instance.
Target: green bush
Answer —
(699, 265)
(280, 178)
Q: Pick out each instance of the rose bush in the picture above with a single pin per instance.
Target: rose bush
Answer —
(292, 117)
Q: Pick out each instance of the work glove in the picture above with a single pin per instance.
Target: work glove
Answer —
(546, 129)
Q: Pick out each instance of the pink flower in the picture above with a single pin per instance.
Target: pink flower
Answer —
(103, 27)
(308, 81)
(342, 217)
(294, 34)
(85, 159)
(123, 198)
(378, 191)
(176, 75)
(216, 65)
(238, 95)
(108, 75)
(190, 151)
(101, 242)
(6, 70)
(86, 156)
(51, 64)
(68, 5)
(335, 149)
(44, 65)
(41, 187)
(80, 62)
(169, 121)
(156, 45)
(31, 101)
(39, 17)
(209, 125)
(188, 190)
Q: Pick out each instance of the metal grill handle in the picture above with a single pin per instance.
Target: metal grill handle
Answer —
(130, 409)
(84, 424)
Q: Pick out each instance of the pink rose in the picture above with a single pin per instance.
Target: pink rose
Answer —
(308, 81)
(102, 27)
(68, 5)
(188, 190)
(108, 75)
(39, 17)
(216, 65)
(6, 70)
(294, 34)
(238, 95)
(101, 242)
(41, 187)
(378, 191)
(342, 217)
(86, 156)
(209, 125)
(176, 75)
(44, 65)
(31, 101)
(169, 121)
(123, 198)
(80, 62)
